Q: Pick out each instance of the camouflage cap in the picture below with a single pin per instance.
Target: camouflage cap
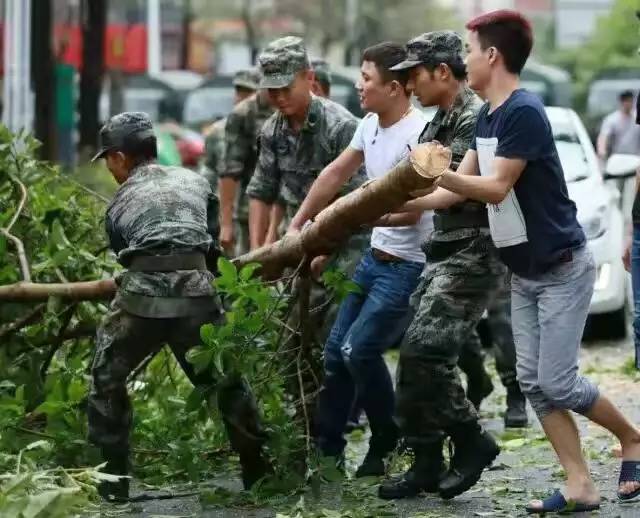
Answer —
(248, 79)
(432, 47)
(281, 60)
(123, 130)
(322, 70)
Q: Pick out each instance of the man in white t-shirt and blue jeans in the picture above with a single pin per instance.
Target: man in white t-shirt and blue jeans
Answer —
(374, 318)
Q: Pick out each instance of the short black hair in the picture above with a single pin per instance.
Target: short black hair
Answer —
(457, 67)
(386, 55)
(326, 85)
(627, 95)
(509, 32)
(141, 151)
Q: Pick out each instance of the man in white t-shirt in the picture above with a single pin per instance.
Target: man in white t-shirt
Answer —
(375, 318)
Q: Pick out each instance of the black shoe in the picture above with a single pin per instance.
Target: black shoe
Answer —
(479, 390)
(117, 464)
(254, 468)
(472, 454)
(516, 414)
(423, 475)
(372, 465)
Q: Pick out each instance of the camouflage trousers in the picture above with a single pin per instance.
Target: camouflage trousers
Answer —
(499, 325)
(123, 342)
(448, 304)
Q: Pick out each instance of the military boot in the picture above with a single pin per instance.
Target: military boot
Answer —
(479, 387)
(380, 448)
(254, 466)
(423, 475)
(474, 450)
(516, 414)
(117, 460)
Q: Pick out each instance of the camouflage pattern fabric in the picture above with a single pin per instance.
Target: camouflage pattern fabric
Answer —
(322, 71)
(281, 60)
(462, 269)
(242, 131)
(124, 130)
(213, 160)
(163, 210)
(124, 341)
(432, 48)
(499, 321)
(248, 79)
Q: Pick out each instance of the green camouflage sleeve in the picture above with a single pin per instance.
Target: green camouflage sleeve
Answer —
(214, 152)
(238, 147)
(462, 136)
(265, 182)
(343, 139)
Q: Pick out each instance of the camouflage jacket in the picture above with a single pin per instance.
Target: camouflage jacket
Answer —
(242, 130)
(289, 162)
(213, 160)
(162, 210)
(455, 128)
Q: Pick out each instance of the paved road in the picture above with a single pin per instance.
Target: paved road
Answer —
(525, 469)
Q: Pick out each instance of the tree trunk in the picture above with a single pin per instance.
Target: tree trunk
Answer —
(93, 29)
(43, 76)
(330, 229)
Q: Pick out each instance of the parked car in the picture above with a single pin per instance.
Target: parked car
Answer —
(212, 100)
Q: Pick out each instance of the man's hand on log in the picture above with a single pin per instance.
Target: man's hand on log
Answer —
(318, 265)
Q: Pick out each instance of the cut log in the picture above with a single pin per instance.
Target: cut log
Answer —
(33, 292)
(347, 215)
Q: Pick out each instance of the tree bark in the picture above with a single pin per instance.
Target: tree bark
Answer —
(93, 30)
(33, 292)
(348, 214)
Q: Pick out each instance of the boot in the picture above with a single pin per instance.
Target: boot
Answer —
(254, 467)
(423, 475)
(474, 450)
(380, 448)
(478, 388)
(516, 414)
(117, 464)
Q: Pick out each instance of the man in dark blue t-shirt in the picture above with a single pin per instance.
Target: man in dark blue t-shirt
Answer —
(513, 166)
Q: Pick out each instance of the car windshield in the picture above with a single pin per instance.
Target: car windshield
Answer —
(570, 150)
(208, 104)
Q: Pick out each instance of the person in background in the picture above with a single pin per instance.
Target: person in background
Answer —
(242, 130)
(321, 85)
(65, 108)
(619, 132)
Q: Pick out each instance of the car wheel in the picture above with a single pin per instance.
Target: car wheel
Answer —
(611, 326)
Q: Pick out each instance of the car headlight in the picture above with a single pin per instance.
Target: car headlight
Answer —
(603, 276)
(596, 226)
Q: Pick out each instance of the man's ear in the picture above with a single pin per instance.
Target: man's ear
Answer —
(493, 55)
(310, 75)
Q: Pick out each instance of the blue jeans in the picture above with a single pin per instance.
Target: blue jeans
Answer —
(635, 281)
(368, 323)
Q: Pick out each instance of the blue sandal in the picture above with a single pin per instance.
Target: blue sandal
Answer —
(629, 472)
(556, 503)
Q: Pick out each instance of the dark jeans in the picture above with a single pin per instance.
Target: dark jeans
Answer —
(635, 279)
(368, 323)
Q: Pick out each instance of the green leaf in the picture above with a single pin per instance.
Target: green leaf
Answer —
(248, 270)
(58, 236)
(3, 246)
(50, 408)
(42, 444)
(228, 272)
(208, 334)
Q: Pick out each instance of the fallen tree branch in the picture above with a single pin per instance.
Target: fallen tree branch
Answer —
(30, 291)
(17, 243)
(23, 321)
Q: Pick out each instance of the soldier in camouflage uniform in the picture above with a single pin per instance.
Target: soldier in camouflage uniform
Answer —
(242, 130)
(157, 224)
(471, 360)
(321, 85)
(245, 83)
(462, 269)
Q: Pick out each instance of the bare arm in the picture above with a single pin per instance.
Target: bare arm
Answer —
(227, 188)
(402, 219)
(327, 185)
(277, 215)
(258, 222)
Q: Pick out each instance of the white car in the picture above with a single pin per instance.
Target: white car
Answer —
(600, 216)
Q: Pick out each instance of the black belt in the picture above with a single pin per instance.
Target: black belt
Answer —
(384, 257)
(448, 222)
(168, 263)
